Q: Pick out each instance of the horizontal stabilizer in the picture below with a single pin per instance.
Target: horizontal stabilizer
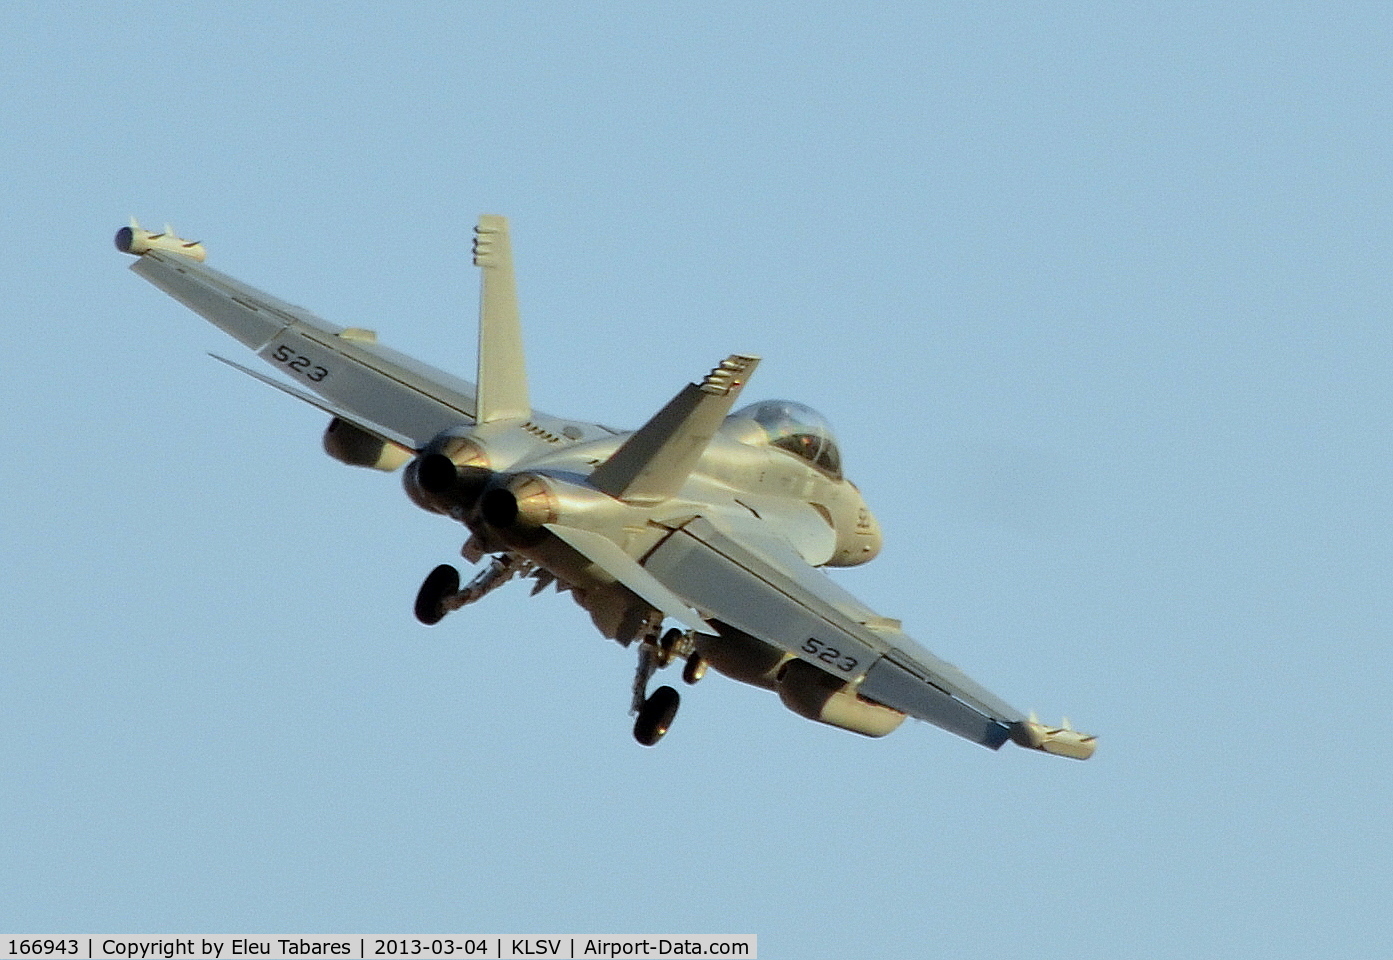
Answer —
(653, 463)
(609, 557)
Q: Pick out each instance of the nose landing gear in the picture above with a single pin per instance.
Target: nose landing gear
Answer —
(656, 716)
(694, 669)
(654, 712)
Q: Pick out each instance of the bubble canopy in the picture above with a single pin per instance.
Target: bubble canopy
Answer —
(796, 428)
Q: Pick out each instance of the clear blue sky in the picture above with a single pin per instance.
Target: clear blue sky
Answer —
(1095, 295)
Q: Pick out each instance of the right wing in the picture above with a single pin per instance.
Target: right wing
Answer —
(367, 383)
(769, 592)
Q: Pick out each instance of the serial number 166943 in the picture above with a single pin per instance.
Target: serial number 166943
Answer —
(43, 948)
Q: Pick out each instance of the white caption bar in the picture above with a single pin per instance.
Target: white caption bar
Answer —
(454, 946)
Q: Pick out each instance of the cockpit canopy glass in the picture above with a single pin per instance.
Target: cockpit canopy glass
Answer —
(800, 430)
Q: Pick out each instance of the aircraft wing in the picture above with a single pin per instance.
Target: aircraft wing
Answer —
(376, 429)
(388, 392)
(749, 580)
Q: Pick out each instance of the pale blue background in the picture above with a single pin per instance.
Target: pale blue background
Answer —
(1095, 294)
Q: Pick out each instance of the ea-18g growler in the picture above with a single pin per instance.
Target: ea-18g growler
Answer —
(697, 539)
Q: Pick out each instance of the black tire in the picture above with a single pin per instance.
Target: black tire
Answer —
(655, 716)
(442, 582)
(666, 643)
(694, 669)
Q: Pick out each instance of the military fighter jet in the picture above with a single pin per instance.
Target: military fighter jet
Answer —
(698, 537)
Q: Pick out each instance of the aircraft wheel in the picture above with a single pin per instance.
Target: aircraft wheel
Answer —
(442, 582)
(666, 645)
(695, 669)
(655, 716)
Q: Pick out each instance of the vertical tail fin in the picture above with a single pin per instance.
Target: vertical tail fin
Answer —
(502, 381)
(655, 461)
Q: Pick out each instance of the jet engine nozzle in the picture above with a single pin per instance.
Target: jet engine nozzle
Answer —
(435, 483)
(137, 240)
(437, 474)
(449, 476)
(523, 502)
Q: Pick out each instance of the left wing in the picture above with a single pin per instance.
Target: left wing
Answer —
(369, 383)
(376, 429)
(775, 596)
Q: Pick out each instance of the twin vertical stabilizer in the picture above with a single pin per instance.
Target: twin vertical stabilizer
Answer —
(502, 381)
(653, 463)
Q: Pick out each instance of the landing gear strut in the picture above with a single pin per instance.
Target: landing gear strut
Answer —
(655, 712)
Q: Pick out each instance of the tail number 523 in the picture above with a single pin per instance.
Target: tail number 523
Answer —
(299, 363)
(829, 654)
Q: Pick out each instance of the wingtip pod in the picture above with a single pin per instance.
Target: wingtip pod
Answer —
(1063, 741)
(136, 240)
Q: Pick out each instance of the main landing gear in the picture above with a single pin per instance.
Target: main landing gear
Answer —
(655, 716)
(655, 712)
(441, 593)
(440, 587)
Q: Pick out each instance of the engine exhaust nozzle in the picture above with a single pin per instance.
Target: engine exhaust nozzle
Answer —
(524, 502)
